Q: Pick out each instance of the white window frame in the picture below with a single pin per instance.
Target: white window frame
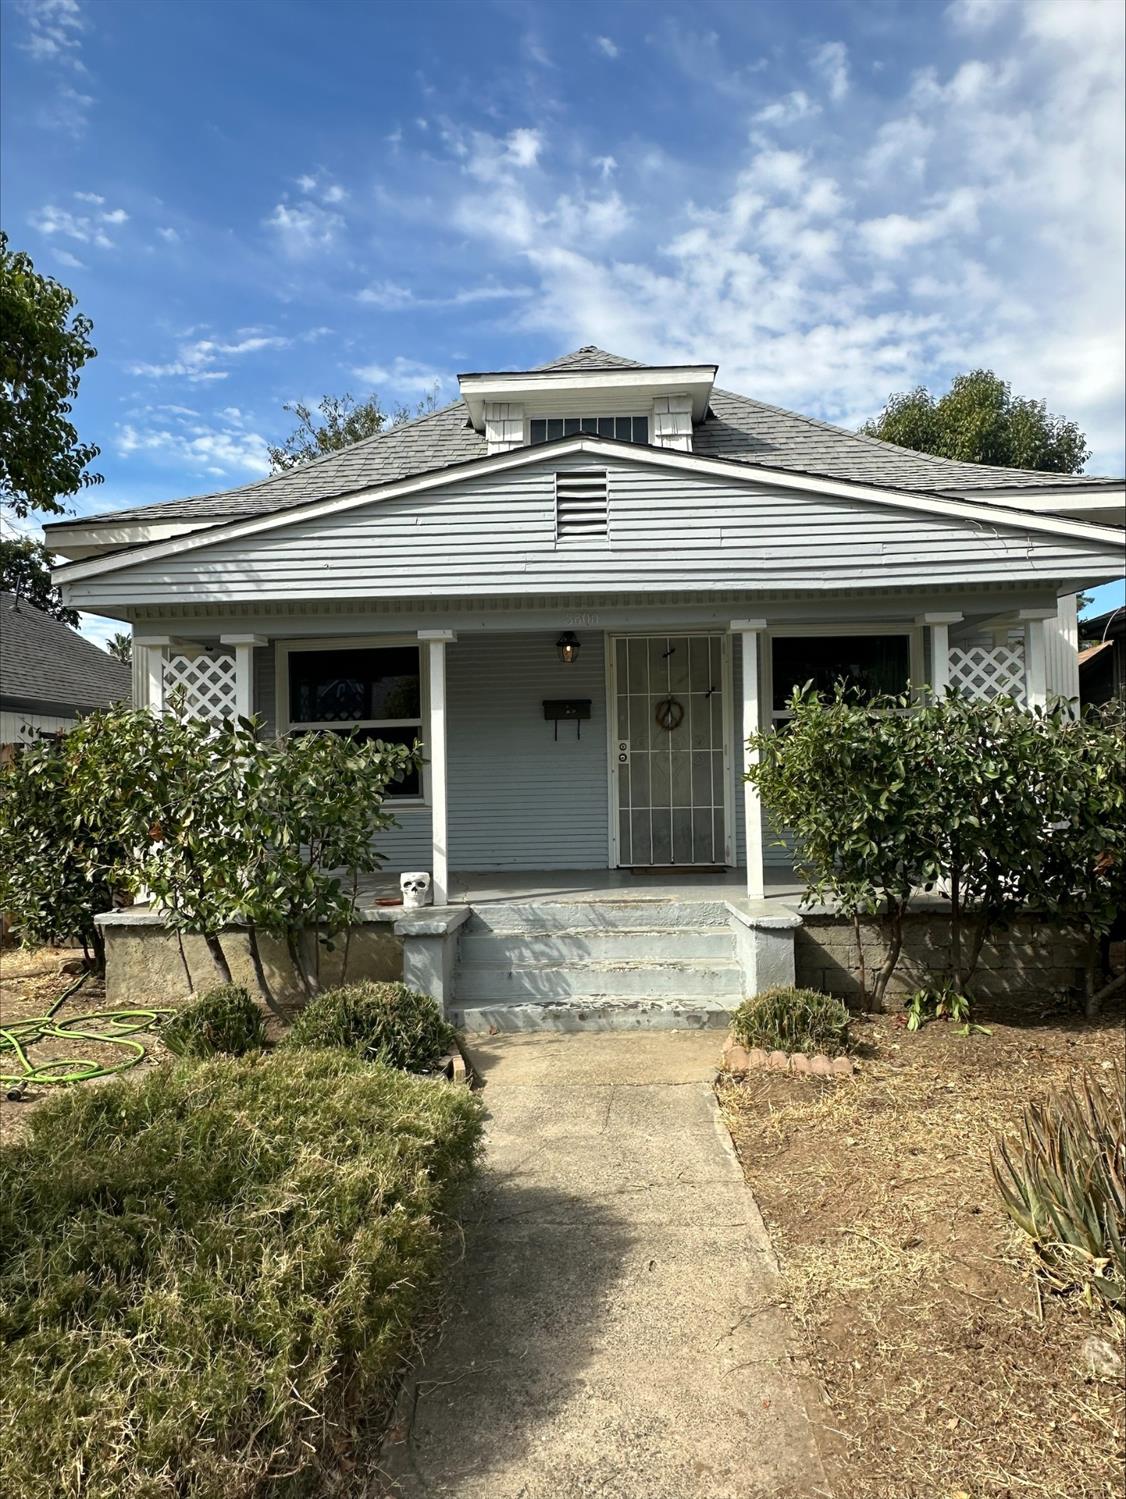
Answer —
(285, 724)
(916, 660)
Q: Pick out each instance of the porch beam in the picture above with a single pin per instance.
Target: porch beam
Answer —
(939, 626)
(749, 631)
(437, 640)
(245, 646)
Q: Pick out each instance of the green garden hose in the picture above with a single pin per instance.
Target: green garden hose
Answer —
(106, 1027)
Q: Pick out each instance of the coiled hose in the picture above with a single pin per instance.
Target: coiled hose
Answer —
(106, 1027)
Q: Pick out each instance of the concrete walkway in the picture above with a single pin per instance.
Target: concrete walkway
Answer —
(613, 1332)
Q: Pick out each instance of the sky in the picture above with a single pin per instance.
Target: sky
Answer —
(263, 201)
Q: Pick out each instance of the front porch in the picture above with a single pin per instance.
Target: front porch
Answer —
(616, 766)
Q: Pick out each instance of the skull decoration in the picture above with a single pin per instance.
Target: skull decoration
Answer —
(416, 889)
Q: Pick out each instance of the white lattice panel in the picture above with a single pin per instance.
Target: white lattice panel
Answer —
(989, 671)
(206, 684)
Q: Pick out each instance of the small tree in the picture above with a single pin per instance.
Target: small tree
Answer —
(120, 646)
(43, 345)
(343, 421)
(218, 825)
(25, 570)
(60, 862)
(839, 779)
(979, 420)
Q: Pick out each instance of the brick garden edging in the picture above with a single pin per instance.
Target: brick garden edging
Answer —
(738, 1059)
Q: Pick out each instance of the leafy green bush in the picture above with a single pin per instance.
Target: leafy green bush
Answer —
(383, 1022)
(1064, 1184)
(211, 1280)
(225, 1019)
(791, 1020)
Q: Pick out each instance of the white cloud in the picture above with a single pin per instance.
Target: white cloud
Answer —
(977, 15)
(169, 235)
(404, 377)
(606, 46)
(831, 61)
(95, 198)
(901, 145)
(894, 234)
(66, 110)
(54, 31)
(522, 147)
(606, 165)
(72, 262)
(304, 227)
(85, 228)
(389, 296)
(794, 106)
(221, 449)
(201, 359)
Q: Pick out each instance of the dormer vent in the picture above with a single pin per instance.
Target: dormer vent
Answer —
(581, 505)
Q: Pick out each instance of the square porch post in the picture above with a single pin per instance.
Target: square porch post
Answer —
(437, 641)
(939, 626)
(1035, 623)
(244, 670)
(749, 631)
(153, 650)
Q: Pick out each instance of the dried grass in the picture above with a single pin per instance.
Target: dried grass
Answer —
(944, 1368)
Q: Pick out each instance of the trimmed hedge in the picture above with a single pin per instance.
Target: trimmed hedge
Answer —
(225, 1019)
(801, 1020)
(383, 1022)
(212, 1280)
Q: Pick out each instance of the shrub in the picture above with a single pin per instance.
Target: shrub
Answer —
(211, 1280)
(1064, 1184)
(225, 1019)
(791, 1020)
(383, 1022)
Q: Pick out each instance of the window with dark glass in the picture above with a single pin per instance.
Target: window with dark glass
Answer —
(620, 428)
(375, 692)
(870, 665)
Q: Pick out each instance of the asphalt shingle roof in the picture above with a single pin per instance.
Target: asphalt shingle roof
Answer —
(44, 661)
(736, 428)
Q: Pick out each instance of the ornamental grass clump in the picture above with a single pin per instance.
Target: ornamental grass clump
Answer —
(1064, 1184)
(225, 1019)
(792, 1020)
(213, 1280)
(383, 1022)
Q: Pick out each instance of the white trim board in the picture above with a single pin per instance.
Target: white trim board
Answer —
(603, 449)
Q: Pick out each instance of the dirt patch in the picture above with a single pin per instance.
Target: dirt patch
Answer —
(944, 1370)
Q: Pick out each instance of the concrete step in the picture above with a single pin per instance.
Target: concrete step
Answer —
(505, 917)
(685, 944)
(606, 1013)
(718, 979)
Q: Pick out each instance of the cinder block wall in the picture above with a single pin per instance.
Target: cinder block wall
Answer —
(1033, 959)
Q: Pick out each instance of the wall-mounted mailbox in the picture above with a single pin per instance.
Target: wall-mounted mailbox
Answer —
(566, 710)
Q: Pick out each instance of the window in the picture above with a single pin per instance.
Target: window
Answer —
(620, 428)
(870, 664)
(374, 690)
(580, 505)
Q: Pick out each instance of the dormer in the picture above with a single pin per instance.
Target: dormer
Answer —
(654, 404)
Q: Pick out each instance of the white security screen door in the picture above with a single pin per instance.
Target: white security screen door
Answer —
(670, 751)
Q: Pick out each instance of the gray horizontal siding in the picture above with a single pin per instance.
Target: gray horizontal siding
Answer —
(667, 530)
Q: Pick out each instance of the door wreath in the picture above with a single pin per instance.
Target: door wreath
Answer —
(669, 714)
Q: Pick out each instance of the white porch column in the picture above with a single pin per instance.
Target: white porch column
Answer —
(244, 670)
(1035, 623)
(154, 649)
(439, 864)
(749, 631)
(939, 626)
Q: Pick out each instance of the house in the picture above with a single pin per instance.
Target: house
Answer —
(1102, 657)
(49, 675)
(582, 586)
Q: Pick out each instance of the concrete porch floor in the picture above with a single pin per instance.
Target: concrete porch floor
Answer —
(561, 885)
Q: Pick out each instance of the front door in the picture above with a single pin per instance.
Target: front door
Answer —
(670, 753)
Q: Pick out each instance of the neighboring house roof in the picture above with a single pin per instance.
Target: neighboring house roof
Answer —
(1104, 627)
(736, 428)
(47, 667)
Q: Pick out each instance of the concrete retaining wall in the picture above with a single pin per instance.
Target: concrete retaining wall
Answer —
(144, 966)
(1032, 959)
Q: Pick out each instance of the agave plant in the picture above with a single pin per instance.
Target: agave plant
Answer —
(1064, 1183)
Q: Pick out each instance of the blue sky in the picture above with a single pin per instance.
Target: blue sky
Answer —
(267, 200)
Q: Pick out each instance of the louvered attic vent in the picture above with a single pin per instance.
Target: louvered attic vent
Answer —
(580, 505)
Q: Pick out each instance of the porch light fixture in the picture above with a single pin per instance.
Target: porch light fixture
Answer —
(568, 646)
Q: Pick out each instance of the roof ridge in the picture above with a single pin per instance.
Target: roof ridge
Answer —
(893, 448)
